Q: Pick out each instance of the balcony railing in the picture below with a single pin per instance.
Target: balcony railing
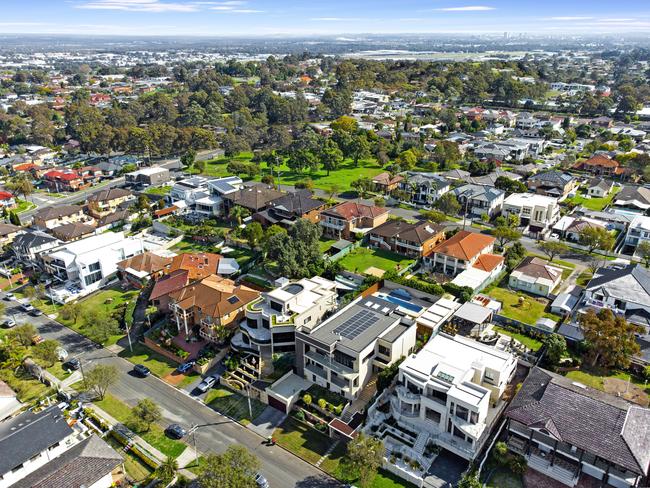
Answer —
(333, 365)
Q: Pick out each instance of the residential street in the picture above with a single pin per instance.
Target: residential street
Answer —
(215, 432)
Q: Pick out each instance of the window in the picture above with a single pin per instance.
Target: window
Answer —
(441, 396)
(93, 278)
(344, 359)
(474, 418)
(462, 412)
(459, 433)
(94, 267)
(278, 307)
(17, 468)
(384, 351)
(251, 323)
(432, 415)
(372, 353)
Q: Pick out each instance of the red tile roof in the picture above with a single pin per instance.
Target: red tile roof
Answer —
(5, 195)
(488, 262)
(199, 265)
(350, 210)
(464, 245)
(172, 282)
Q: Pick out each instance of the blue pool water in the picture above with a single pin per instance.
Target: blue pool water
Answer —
(403, 303)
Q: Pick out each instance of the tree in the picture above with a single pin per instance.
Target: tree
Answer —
(331, 156)
(505, 235)
(555, 348)
(297, 252)
(643, 250)
(29, 292)
(235, 468)
(553, 248)
(46, 352)
(99, 326)
(22, 334)
(238, 213)
(188, 158)
(595, 237)
(470, 480)
(14, 219)
(199, 166)
(610, 338)
(434, 216)
(145, 413)
(448, 204)
(407, 159)
(364, 458)
(254, 234)
(20, 185)
(101, 378)
(510, 186)
(345, 123)
(359, 149)
(166, 471)
(446, 153)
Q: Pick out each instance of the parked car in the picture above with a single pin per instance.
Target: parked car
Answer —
(9, 323)
(207, 383)
(175, 431)
(142, 370)
(261, 481)
(186, 366)
(27, 307)
(61, 354)
(72, 364)
(9, 296)
(36, 312)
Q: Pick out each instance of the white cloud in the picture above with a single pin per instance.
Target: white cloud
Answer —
(139, 6)
(568, 18)
(468, 8)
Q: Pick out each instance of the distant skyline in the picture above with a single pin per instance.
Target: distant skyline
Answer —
(330, 17)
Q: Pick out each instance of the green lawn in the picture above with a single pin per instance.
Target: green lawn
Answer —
(57, 370)
(241, 255)
(362, 258)
(594, 203)
(529, 313)
(325, 244)
(105, 300)
(158, 190)
(156, 435)
(583, 278)
(505, 479)
(342, 177)
(529, 342)
(187, 245)
(158, 364)
(27, 388)
(595, 377)
(135, 468)
(44, 305)
(24, 205)
(232, 404)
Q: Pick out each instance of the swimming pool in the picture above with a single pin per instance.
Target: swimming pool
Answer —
(402, 303)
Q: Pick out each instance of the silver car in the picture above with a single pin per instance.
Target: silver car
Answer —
(207, 383)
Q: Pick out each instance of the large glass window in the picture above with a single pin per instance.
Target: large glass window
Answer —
(343, 359)
(432, 415)
(462, 412)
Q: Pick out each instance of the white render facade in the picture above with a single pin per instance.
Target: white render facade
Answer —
(537, 212)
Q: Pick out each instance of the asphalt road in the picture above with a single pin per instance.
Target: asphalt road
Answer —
(215, 432)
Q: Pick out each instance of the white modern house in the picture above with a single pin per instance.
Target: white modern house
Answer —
(537, 213)
(448, 394)
(90, 263)
(212, 204)
(272, 320)
(638, 231)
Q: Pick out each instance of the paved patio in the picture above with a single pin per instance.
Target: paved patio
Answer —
(445, 471)
(193, 348)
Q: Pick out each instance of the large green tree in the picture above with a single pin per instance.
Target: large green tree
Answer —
(101, 378)
(364, 458)
(297, 252)
(610, 338)
(595, 237)
(234, 468)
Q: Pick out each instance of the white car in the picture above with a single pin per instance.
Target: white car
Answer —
(61, 354)
(9, 323)
(207, 383)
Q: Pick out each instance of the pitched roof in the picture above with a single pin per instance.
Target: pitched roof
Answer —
(148, 262)
(629, 283)
(169, 283)
(49, 213)
(109, 194)
(418, 233)
(28, 434)
(351, 210)
(73, 230)
(488, 262)
(572, 411)
(5, 195)
(538, 268)
(552, 178)
(198, 265)
(80, 466)
(214, 296)
(464, 245)
(298, 203)
(254, 197)
(602, 160)
(385, 179)
(32, 239)
(6, 229)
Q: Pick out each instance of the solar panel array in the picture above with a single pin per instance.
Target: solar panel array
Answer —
(356, 324)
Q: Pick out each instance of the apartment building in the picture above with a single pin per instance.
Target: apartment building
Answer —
(346, 219)
(447, 392)
(272, 319)
(578, 435)
(537, 213)
(343, 352)
(92, 262)
(401, 237)
(154, 176)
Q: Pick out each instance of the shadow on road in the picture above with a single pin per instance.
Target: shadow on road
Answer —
(320, 481)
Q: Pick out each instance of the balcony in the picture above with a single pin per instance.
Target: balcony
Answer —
(404, 394)
(331, 225)
(317, 370)
(334, 366)
(259, 336)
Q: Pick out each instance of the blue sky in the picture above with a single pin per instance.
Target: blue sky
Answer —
(328, 17)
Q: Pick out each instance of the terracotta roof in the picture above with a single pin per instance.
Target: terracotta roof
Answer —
(60, 175)
(350, 210)
(199, 265)
(488, 262)
(539, 268)
(214, 296)
(5, 195)
(600, 160)
(25, 167)
(464, 245)
(167, 284)
(165, 211)
(385, 179)
(147, 261)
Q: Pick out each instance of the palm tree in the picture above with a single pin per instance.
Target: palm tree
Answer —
(238, 213)
(151, 310)
(167, 469)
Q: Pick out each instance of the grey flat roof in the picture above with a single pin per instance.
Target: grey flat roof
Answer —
(394, 334)
(357, 325)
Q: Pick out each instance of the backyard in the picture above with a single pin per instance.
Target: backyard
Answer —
(593, 203)
(234, 405)
(528, 312)
(362, 258)
(158, 190)
(155, 436)
(532, 344)
(627, 385)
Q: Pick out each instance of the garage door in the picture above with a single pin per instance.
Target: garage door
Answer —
(275, 403)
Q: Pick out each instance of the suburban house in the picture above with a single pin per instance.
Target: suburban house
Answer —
(106, 202)
(449, 393)
(601, 165)
(92, 262)
(30, 440)
(479, 200)
(138, 270)
(272, 319)
(7, 200)
(638, 231)
(284, 211)
(212, 304)
(8, 233)
(413, 240)
(553, 184)
(73, 231)
(633, 198)
(490, 179)
(189, 190)
(385, 183)
(9, 403)
(198, 265)
(343, 352)
(472, 319)
(578, 435)
(30, 245)
(535, 275)
(159, 295)
(50, 217)
(424, 188)
(599, 187)
(537, 213)
(67, 180)
(346, 219)
(462, 251)
(154, 176)
(92, 463)
(253, 198)
(212, 204)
